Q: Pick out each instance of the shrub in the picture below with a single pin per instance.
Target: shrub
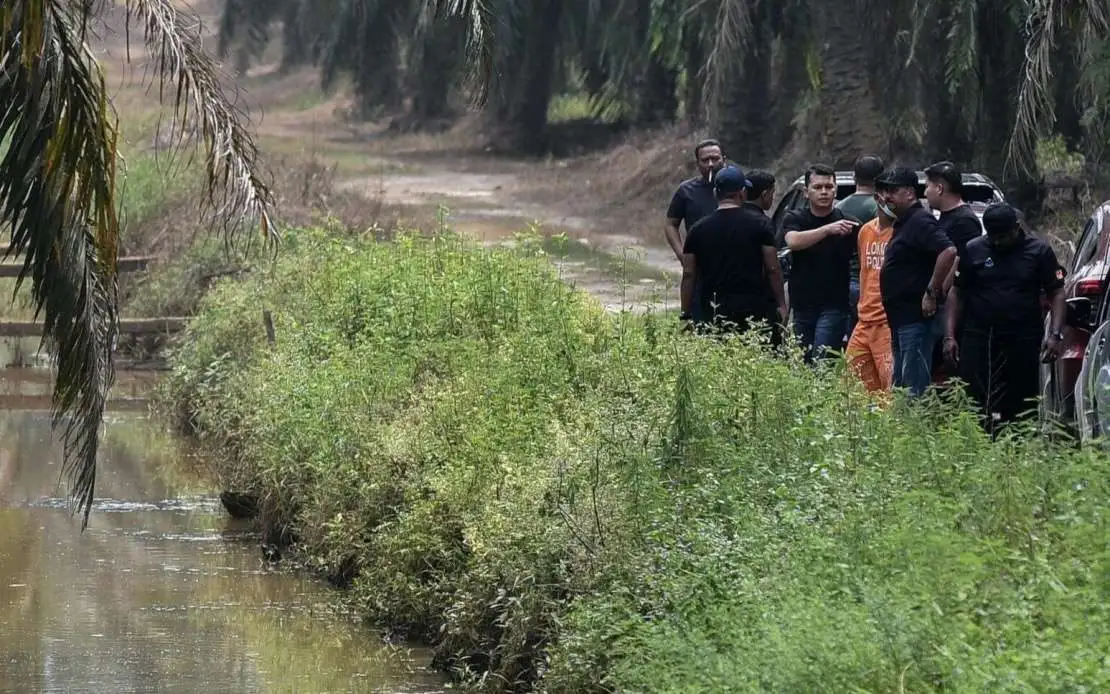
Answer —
(581, 502)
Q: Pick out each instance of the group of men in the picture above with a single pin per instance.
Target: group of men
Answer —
(875, 274)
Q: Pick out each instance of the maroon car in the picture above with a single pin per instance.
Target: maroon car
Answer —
(1086, 278)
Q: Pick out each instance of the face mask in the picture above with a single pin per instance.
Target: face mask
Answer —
(886, 209)
(1006, 240)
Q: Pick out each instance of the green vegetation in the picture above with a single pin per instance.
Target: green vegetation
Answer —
(601, 503)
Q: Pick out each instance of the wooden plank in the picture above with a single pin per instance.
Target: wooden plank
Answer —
(128, 264)
(135, 326)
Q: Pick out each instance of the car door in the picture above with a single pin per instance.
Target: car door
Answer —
(1092, 388)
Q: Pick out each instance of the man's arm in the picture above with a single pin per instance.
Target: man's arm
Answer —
(676, 212)
(930, 236)
(674, 237)
(689, 275)
(955, 308)
(774, 278)
(1051, 277)
(797, 240)
(946, 261)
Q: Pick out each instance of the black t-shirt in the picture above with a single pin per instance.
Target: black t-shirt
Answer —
(819, 274)
(693, 201)
(728, 246)
(908, 265)
(960, 225)
(1000, 288)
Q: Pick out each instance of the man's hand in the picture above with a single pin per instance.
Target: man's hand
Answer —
(951, 350)
(928, 305)
(1050, 349)
(841, 228)
(784, 314)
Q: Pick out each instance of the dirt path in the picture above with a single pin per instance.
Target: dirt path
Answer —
(493, 207)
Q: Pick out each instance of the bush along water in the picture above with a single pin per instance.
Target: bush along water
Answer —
(561, 499)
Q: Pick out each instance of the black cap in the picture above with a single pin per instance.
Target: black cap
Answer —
(730, 179)
(898, 177)
(1000, 218)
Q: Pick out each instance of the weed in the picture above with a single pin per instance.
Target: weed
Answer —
(558, 498)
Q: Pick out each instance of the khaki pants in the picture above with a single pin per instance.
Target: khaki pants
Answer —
(870, 355)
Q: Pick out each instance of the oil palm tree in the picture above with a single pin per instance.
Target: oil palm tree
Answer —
(58, 168)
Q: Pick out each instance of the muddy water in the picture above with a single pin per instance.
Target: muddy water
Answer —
(163, 592)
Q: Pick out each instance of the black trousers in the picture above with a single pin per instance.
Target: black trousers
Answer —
(1002, 373)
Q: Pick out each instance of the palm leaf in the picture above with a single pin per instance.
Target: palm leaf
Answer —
(57, 186)
(481, 39)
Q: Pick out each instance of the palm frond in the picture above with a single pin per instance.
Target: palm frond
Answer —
(57, 195)
(234, 187)
(481, 46)
(57, 186)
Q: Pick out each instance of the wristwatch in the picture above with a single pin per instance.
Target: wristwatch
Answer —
(1058, 336)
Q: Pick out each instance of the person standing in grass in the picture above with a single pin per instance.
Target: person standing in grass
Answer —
(860, 206)
(995, 323)
(821, 240)
(732, 253)
(869, 348)
(916, 264)
(694, 199)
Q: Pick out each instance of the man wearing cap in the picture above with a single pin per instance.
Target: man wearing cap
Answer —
(821, 242)
(916, 264)
(732, 253)
(994, 325)
(694, 199)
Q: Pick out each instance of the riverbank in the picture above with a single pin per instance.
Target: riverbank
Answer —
(558, 497)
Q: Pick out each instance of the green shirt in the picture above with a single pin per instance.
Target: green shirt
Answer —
(862, 208)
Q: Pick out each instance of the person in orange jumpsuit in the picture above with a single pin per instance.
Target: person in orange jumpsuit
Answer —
(869, 350)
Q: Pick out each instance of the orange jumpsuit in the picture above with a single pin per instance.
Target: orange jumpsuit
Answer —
(869, 350)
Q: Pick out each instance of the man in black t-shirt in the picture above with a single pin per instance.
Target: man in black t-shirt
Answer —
(997, 301)
(732, 253)
(821, 242)
(916, 264)
(694, 199)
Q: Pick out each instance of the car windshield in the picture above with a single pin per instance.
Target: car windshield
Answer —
(974, 193)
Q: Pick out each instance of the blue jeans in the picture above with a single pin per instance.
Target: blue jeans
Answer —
(820, 330)
(913, 355)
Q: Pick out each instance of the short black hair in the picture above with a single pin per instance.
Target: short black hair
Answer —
(762, 181)
(868, 168)
(819, 170)
(947, 173)
(710, 142)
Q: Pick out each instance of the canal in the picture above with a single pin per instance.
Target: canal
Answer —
(163, 592)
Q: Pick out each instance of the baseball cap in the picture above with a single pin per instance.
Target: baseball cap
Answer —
(1000, 218)
(731, 179)
(898, 177)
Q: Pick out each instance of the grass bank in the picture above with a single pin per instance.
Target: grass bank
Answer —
(558, 498)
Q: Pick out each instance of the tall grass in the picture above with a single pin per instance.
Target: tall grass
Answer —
(562, 499)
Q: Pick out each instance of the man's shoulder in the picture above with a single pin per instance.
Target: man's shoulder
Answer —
(978, 245)
(691, 183)
(870, 227)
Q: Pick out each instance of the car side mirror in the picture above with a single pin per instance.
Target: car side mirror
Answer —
(1079, 313)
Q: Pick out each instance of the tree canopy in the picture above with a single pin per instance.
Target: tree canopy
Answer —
(976, 81)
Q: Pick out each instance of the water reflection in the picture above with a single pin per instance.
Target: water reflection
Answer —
(163, 592)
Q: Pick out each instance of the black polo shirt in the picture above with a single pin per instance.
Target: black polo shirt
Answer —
(728, 246)
(693, 201)
(908, 265)
(960, 225)
(819, 275)
(1000, 288)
